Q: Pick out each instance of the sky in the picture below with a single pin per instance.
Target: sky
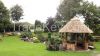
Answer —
(37, 9)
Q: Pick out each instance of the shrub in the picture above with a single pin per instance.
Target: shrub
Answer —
(53, 43)
(41, 37)
(27, 34)
(14, 33)
(36, 41)
(8, 34)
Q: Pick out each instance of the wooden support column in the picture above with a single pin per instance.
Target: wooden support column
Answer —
(76, 41)
(64, 40)
(85, 41)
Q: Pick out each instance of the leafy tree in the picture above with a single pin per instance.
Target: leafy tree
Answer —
(50, 21)
(38, 27)
(4, 17)
(37, 23)
(68, 8)
(58, 17)
(16, 13)
(91, 14)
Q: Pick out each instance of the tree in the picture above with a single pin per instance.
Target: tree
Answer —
(50, 21)
(91, 14)
(16, 13)
(4, 17)
(38, 27)
(68, 8)
(38, 23)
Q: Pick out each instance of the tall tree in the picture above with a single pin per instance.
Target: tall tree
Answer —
(16, 13)
(91, 14)
(4, 17)
(68, 8)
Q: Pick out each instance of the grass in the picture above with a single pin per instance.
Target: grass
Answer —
(13, 46)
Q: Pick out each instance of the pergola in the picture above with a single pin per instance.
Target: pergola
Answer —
(75, 35)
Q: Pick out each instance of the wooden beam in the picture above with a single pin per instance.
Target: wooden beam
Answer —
(76, 41)
(85, 41)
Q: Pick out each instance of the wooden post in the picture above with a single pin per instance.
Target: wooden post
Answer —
(85, 42)
(63, 40)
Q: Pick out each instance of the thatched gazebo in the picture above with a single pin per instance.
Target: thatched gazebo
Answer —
(75, 35)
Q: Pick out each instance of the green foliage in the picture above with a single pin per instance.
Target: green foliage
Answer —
(27, 34)
(34, 35)
(4, 17)
(38, 24)
(53, 42)
(91, 13)
(36, 41)
(68, 8)
(50, 21)
(41, 37)
(49, 35)
(16, 12)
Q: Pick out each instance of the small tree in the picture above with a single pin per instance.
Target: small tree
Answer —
(16, 13)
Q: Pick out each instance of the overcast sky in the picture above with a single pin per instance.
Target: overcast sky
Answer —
(37, 9)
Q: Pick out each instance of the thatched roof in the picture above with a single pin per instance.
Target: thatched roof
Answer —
(75, 26)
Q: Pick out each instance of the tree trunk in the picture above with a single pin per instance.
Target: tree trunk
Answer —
(19, 28)
(14, 27)
(4, 30)
(27, 28)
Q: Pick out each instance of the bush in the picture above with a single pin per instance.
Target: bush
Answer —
(36, 41)
(53, 43)
(34, 35)
(13, 34)
(41, 37)
(27, 34)
(8, 34)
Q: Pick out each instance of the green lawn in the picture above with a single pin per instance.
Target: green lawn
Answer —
(13, 46)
